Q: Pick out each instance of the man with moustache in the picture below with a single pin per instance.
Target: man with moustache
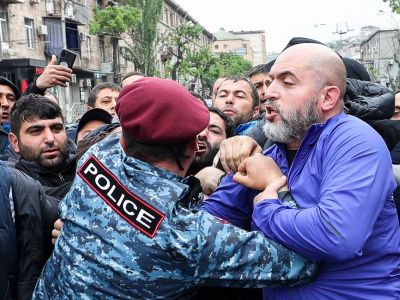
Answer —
(258, 76)
(338, 170)
(40, 147)
(219, 129)
(238, 99)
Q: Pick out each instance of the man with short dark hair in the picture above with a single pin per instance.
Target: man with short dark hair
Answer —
(131, 77)
(219, 128)
(238, 99)
(9, 93)
(258, 76)
(104, 95)
(132, 231)
(39, 141)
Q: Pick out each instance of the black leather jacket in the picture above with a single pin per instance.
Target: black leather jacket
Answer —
(368, 101)
(35, 214)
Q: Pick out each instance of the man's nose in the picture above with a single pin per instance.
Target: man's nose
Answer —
(48, 136)
(3, 101)
(271, 93)
(229, 98)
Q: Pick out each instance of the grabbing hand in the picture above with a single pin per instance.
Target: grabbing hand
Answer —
(257, 172)
(234, 150)
(56, 231)
(272, 189)
(209, 179)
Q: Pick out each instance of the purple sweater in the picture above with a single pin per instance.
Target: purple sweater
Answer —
(342, 180)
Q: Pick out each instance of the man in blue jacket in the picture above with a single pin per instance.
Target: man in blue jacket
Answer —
(339, 172)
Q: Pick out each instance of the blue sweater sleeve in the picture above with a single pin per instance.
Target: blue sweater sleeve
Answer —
(231, 202)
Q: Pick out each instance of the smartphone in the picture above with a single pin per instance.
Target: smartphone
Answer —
(67, 58)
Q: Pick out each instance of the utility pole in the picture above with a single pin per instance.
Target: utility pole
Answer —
(64, 101)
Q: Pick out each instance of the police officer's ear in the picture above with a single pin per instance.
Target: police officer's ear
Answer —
(13, 141)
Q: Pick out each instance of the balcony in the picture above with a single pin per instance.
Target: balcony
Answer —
(75, 11)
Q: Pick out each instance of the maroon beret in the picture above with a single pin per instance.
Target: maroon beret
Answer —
(155, 111)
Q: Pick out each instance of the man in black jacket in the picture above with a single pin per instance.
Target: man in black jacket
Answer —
(39, 141)
(26, 218)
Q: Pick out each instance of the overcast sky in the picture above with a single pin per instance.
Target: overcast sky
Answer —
(283, 19)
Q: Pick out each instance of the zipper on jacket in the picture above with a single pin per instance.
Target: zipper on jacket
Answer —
(61, 177)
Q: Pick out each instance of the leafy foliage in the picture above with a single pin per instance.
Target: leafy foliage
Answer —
(114, 20)
(179, 43)
(135, 22)
(207, 67)
(141, 45)
(394, 5)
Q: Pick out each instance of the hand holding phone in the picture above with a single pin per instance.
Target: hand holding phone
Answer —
(67, 58)
(54, 75)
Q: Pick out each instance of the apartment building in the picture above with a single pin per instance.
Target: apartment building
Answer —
(32, 30)
(257, 43)
(379, 53)
(229, 42)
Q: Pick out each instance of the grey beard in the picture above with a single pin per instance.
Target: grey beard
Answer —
(294, 124)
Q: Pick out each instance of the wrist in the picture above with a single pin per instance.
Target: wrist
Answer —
(38, 85)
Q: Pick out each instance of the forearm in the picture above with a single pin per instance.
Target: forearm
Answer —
(247, 259)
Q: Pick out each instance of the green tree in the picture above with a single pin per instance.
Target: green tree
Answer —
(114, 21)
(140, 47)
(134, 22)
(207, 67)
(196, 66)
(178, 43)
(394, 5)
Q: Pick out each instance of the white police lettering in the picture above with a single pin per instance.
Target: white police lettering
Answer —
(144, 216)
(133, 209)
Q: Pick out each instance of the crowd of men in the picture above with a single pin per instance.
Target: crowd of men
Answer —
(286, 188)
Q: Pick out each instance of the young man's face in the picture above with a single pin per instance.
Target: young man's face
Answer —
(209, 141)
(106, 99)
(260, 81)
(236, 101)
(7, 101)
(43, 141)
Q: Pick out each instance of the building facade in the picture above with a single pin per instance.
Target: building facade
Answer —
(257, 42)
(380, 53)
(227, 42)
(32, 30)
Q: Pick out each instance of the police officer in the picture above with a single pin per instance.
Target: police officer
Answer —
(129, 230)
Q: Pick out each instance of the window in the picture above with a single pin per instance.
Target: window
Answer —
(225, 46)
(29, 32)
(216, 46)
(3, 26)
(89, 47)
(102, 51)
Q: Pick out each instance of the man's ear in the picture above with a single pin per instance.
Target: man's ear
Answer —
(256, 111)
(13, 141)
(331, 97)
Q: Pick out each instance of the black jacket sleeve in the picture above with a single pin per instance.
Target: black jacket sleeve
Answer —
(368, 100)
(35, 215)
(33, 89)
